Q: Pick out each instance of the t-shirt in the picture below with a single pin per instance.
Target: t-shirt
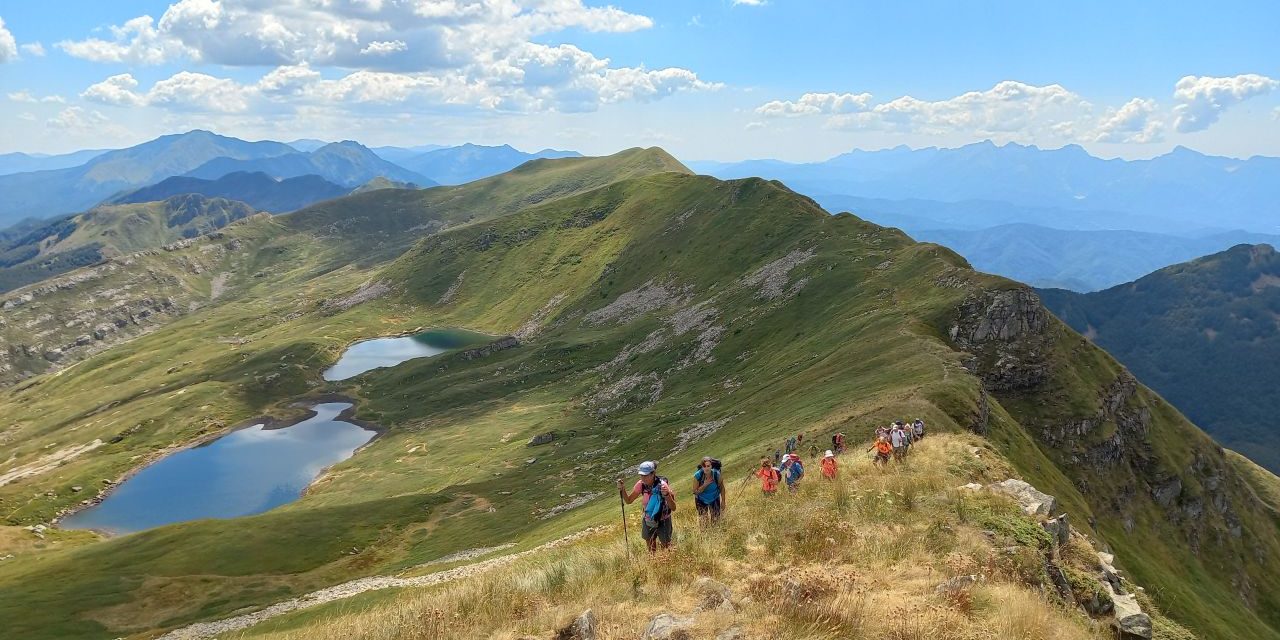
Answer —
(883, 447)
(646, 491)
(794, 471)
(895, 437)
(711, 493)
(829, 467)
(769, 479)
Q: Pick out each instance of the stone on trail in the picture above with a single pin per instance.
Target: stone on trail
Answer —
(665, 626)
(1033, 501)
(712, 595)
(582, 628)
(1059, 528)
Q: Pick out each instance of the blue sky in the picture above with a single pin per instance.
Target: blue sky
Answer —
(713, 79)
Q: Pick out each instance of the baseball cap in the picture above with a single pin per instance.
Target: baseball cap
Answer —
(647, 467)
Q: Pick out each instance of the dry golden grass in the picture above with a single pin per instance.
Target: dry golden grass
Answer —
(860, 557)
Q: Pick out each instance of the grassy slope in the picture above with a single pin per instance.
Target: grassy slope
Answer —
(829, 562)
(854, 339)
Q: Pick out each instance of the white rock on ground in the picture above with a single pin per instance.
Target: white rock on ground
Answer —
(1033, 501)
(1130, 623)
(665, 626)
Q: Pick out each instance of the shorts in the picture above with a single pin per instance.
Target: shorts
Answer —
(900, 450)
(882, 457)
(662, 530)
(712, 510)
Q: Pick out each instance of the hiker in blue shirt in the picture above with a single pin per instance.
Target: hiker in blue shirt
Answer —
(659, 503)
(792, 471)
(708, 491)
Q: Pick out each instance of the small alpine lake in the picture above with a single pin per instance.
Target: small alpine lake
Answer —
(367, 355)
(247, 471)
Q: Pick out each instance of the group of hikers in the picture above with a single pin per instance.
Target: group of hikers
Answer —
(709, 489)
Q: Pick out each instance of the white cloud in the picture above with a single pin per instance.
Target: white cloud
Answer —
(1202, 99)
(8, 46)
(384, 47)
(442, 54)
(28, 116)
(25, 95)
(33, 49)
(1131, 123)
(749, 3)
(76, 119)
(754, 125)
(117, 90)
(816, 103)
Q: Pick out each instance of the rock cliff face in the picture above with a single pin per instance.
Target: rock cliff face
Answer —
(1128, 454)
(57, 323)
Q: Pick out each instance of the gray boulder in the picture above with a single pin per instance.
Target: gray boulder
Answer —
(1130, 622)
(1033, 501)
(712, 595)
(582, 628)
(1059, 528)
(665, 626)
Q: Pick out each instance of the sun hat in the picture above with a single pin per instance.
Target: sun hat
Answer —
(829, 454)
(647, 467)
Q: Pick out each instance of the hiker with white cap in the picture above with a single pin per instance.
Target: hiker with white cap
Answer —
(792, 471)
(659, 502)
(829, 465)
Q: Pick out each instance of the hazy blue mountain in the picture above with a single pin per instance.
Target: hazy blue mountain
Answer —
(916, 214)
(346, 163)
(19, 162)
(1182, 187)
(73, 189)
(400, 154)
(1204, 334)
(306, 144)
(1078, 260)
(258, 190)
(468, 162)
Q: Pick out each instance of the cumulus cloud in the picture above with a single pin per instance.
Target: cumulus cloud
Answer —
(76, 119)
(8, 46)
(816, 103)
(33, 49)
(117, 90)
(1202, 99)
(1133, 122)
(421, 54)
(25, 95)
(1009, 110)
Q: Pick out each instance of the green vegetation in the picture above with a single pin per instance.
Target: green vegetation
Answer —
(1204, 335)
(661, 315)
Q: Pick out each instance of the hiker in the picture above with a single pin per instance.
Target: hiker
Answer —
(917, 427)
(813, 451)
(882, 449)
(882, 431)
(792, 471)
(896, 438)
(708, 490)
(659, 502)
(777, 458)
(829, 465)
(908, 438)
(769, 477)
(791, 445)
(837, 443)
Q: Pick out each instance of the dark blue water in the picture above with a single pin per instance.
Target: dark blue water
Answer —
(244, 472)
(388, 352)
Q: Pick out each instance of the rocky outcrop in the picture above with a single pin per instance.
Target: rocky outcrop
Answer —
(582, 628)
(665, 626)
(500, 344)
(542, 438)
(1006, 331)
(1033, 501)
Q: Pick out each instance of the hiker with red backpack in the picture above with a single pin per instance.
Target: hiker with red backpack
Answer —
(769, 477)
(659, 503)
(708, 490)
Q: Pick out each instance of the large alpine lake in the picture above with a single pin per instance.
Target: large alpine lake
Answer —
(387, 352)
(245, 472)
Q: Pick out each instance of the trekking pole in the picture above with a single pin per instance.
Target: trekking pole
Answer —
(626, 537)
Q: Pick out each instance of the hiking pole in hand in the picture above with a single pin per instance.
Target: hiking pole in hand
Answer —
(625, 537)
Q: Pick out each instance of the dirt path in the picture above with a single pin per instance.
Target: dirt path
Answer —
(202, 630)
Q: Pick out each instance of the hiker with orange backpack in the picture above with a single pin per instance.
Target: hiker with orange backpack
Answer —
(829, 465)
(769, 477)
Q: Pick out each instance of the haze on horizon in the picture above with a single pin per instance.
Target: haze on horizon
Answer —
(722, 79)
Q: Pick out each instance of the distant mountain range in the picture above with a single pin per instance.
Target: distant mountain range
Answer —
(1181, 188)
(346, 163)
(468, 162)
(1205, 335)
(42, 194)
(1078, 260)
(21, 162)
(258, 190)
(70, 242)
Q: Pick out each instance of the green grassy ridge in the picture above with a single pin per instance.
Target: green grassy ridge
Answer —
(858, 344)
(1204, 335)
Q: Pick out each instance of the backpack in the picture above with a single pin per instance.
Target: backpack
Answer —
(655, 508)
